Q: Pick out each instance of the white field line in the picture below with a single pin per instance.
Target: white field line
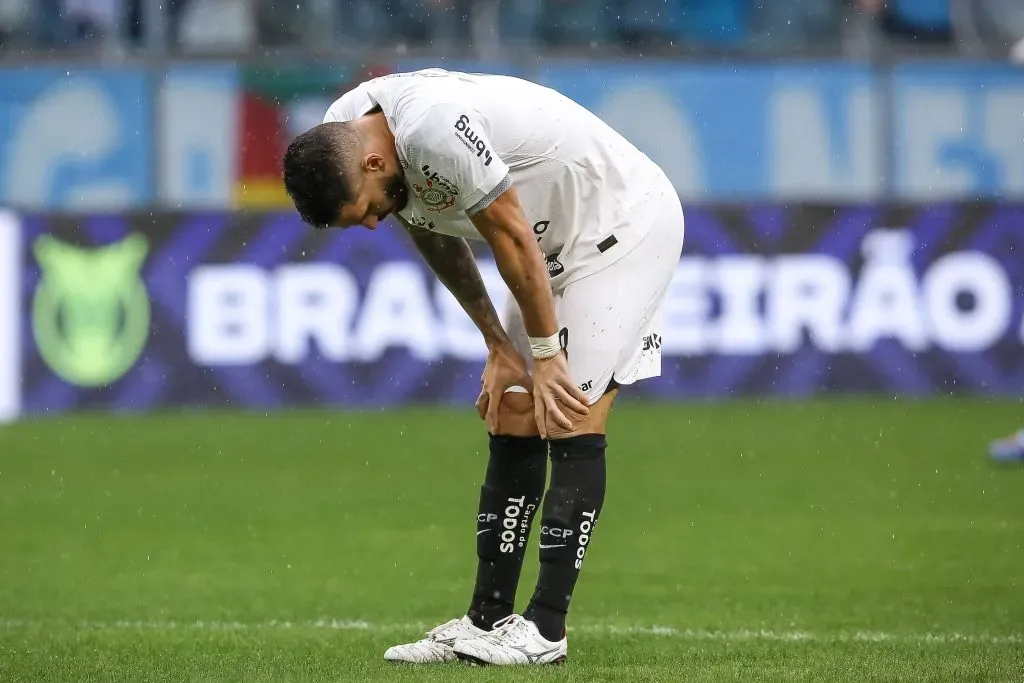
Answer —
(413, 628)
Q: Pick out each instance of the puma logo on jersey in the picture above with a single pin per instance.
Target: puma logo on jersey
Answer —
(472, 139)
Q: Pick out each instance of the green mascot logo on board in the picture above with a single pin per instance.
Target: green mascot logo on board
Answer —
(90, 315)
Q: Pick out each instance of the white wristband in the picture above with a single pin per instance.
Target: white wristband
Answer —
(545, 347)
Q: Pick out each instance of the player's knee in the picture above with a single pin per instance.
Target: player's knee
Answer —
(594, 422)
(515, 415)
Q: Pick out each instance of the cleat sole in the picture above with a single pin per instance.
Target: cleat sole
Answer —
(475, 661)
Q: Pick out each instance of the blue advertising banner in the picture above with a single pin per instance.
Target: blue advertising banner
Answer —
(75, 139)
(743, 132)
(104, 140)
(198, 131)
(958, 130)
(138, 312)
(833, 132)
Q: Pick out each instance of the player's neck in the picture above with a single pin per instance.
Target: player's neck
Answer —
(376, 132)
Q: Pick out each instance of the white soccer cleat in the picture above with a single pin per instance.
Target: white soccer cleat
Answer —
(437, 646)
(514, 641)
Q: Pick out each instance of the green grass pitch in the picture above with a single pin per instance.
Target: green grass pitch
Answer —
(839, 540)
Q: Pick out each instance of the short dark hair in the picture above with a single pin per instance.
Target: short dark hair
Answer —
(321, 169)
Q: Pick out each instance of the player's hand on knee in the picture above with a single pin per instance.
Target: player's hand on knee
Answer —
(556, 398)
(505, 368)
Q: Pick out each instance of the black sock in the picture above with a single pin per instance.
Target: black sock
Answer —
(509, 499)
(571, 509)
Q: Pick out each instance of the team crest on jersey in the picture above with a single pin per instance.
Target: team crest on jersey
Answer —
(437, 193)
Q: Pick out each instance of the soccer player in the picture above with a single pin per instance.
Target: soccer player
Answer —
(1008, 449)
(586, 231)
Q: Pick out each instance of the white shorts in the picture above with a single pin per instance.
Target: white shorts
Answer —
(611, 319)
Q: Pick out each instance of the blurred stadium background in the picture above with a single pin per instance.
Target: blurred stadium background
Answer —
(220, 423)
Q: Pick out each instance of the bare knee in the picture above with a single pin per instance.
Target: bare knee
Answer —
(515, 415)
(595, 422)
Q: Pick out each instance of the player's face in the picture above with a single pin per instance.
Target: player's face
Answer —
(383, 191)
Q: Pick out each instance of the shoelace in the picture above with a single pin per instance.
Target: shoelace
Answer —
(504, 626)
(443, 631)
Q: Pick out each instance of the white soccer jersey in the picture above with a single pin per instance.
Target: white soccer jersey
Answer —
(463, 139)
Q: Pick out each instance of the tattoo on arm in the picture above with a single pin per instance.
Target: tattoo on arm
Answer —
(452, 261)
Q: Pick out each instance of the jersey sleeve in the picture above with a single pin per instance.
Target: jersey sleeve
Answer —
(455, 143)
(349, 106)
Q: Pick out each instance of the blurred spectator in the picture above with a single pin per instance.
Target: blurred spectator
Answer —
(93, 19)
(225, 26)
(1017, 53)
(926, 20)
(988, 26)
(361, 24)
(519, 21)
(648, 23)
(456, 26)
(795, 24)
(442, 24)
(13, 15)
(575, 22)
(282, 23)
(138, 24)
(59, 23)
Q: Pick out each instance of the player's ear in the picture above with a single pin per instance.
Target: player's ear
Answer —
(373, 163)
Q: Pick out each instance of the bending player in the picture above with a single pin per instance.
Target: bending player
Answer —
(586, 232)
